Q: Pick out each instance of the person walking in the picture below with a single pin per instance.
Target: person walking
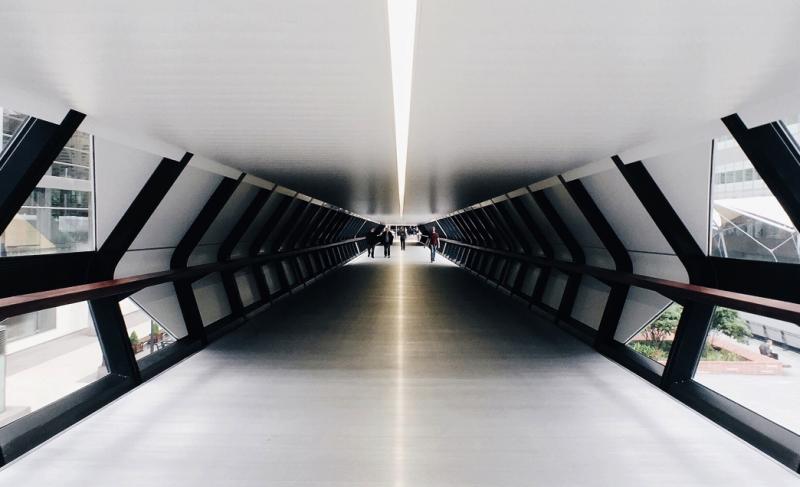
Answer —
(372, 241)
(402, 234)
(433, 242)
(388, 238)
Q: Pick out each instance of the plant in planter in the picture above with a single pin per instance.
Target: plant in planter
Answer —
(156, 333)
(137, 344)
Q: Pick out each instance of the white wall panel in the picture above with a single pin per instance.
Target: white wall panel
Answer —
(267, 210)
(230, 214)
(161, 303)
(518, 223)
(595, 251)
(684, 177)
(642, 305)
(137, 262)
(178, 209)
(559, 249)
(625, 213)
(211, 298)
(573, 216)
(590, 302)
(659, 265)
(120, 172)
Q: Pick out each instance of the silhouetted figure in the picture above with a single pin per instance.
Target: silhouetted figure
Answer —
(402, 234)
(388, 238)
(372, 241)
(433, 242)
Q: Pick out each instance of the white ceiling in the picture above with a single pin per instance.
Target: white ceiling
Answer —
(504, 93)
(298, 92)
(509, 92)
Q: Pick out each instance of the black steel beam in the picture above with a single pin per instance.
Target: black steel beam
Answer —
(135, 217)
(692, 330)
(575, 250)
(618, 293)
(113, 336)
(203, 221)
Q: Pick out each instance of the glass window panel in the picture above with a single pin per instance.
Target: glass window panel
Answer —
(58, 216)
(11, 123)
(48, 354)
(654, 340)
(147, 335)
(747, 222)
(754, 361)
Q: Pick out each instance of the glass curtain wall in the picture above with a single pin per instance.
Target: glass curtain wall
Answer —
(58, 216)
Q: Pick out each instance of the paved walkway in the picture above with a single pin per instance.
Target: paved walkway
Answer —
(396, 373)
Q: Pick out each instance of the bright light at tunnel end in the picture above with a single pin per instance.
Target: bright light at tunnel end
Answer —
(402, 27)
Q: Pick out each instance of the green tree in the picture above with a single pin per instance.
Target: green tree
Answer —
(134, 338)
(728, 322)
(665, 325)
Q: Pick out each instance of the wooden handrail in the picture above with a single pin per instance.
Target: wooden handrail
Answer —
(27, 303)
(773, 308)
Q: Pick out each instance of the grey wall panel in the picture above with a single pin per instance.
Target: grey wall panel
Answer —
(573, 217)
(266, 211)
(659, 265)
(273, 280)
(230, 214)
(555, 289)
(530, 281)
(519, 224)
(160, 303)
(590, 302)
(211, 298)
(625, 213)
(137, 262)
(119, 172)
(178, 209)
(204, 254)
(642, 305)
(560, 250)
(596, 253)
(248, 289)
(598, 258)
(685, 179)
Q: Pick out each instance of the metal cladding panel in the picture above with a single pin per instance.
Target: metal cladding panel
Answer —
(211, 298)
(625, 213)
(230, 214)
(178, 209)
(684, 177)
(136, 262)
(161, 303)
(119, 172)
(248, 289)
(572, 215)
(590, 302)
(555, 289)
(560, 250)
(267, 210)
(641, 307)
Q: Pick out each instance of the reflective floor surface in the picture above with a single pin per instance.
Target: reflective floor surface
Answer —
(396, 372)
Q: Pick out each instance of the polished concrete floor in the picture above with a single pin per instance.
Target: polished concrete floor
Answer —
(396, 373)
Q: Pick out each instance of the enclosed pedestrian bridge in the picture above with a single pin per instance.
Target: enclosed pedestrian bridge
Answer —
(399, 242)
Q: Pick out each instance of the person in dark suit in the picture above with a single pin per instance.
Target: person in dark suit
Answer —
(402, 234)
(387, 238)
(372, 241)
